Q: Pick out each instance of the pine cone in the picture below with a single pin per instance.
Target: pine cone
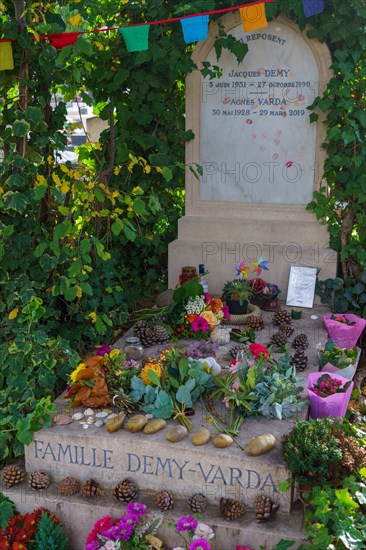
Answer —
(279, 339)
(231, 509)
(198, 503)
(236, 350)
(255, 322)
(126, 490)
(264, 508)
(299, 360)
(162, 336)
(90, 488)
(282, 316)
(287, 329)
(12, 475)
(164, 501)
(139, 327)
(68, 486)
(39, 480)
(301, 341)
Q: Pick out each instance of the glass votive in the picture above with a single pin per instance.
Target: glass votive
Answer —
(133, 348)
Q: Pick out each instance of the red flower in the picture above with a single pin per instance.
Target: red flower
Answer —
(257, 285)
(257, 350)
(100, 525)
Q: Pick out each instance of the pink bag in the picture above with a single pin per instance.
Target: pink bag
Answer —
(343, 335)
(333, 405)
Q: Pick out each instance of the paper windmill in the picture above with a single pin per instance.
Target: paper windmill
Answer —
(242, 269)
(260, 266)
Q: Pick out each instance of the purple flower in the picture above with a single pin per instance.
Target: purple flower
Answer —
(111, 533)
(125, 530)
(199, 544)
(131, 364)
(131, 518)
(93, 545)
(103, 350)
(136, 508)
(186, 523)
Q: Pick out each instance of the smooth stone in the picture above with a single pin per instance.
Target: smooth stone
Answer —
(62, 419)
(99, 423)
(115, 423)
(89, 412)
(77, 416)
(175, 434)
(101, 414)
(222, 441)
(200, 437)
(136, 423)
(154, 426)
(90, 420)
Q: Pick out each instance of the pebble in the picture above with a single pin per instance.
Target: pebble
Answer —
(99, 423)
(77, 416)
(176, 434)
(90, 420)
(62, 419)
(88, 412)
(86, 426)
(102, 414)
(154, 426)
(314, 317)
(115, 423)
(201, 437)
(136, 423)
(222, 441)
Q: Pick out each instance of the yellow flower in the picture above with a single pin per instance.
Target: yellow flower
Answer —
(114, 353)
(74, 373)
(209, 316)
(93, 316)
(13, 313)
(144, 374)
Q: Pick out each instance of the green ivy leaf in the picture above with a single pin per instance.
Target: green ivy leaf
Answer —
(21, 128)
(15, 201)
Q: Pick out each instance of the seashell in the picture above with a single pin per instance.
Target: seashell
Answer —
(62, 419)
(89, 412)
(90, 420)
(99, 423)
(101, 414)
(85, 426)
(77, 416)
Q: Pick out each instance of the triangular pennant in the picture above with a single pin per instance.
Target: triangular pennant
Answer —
(313, 7)
(136, 37)
(195, 28)
(6, 56)
(253, 17)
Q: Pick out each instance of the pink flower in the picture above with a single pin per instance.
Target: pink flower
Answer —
(225, 311)
(199, 324)
(257, 350)
(99, 526)
(103, 350)
(208, 298)
(235, 386)
(199, 544)
(186, 523)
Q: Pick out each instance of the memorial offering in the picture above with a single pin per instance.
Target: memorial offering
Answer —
(344, 329)
(329, 394)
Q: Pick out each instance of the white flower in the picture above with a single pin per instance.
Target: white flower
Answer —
(178, 548)
(210, 365)
(109, 545)
(203, 531)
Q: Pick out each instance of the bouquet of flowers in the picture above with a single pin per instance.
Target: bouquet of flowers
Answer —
(329, 394)
(326, 385)
(96, 380)
(344, 329)
(339, 357)
(194, 535)
(129, 532)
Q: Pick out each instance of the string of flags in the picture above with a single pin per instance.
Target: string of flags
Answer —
(194, 27)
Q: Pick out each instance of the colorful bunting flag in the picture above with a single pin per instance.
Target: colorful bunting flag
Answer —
(313, 7)
(6, 56)
(136, 37)
(62, 39)
(253, 17)
(195, 28)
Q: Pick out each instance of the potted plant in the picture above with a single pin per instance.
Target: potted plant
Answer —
(329, 394)
(236, 294)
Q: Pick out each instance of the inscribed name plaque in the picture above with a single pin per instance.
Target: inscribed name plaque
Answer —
(257, 144)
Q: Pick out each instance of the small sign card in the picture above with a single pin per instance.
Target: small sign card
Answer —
(301, 286)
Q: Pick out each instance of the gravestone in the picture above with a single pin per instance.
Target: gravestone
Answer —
(260, 156)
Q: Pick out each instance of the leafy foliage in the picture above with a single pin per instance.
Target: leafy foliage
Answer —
(7, 510)
(49, 535)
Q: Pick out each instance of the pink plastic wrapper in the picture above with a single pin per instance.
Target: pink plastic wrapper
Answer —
(344, 336)
(333, 405)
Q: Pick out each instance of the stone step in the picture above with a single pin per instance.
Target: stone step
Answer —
(153, 462)
(78, 515)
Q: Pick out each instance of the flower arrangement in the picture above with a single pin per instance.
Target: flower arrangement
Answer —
(96, 380)
(174, 389)
(339, 357)
(326, 385)
(257, 384)
(129, 532)
(194, 535)
(202, 315)
(343, 319)
(37, 530)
